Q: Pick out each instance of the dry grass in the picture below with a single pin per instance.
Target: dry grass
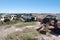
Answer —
(27, 34)
(23, 24)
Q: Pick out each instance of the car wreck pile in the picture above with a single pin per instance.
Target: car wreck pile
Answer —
(50, 22)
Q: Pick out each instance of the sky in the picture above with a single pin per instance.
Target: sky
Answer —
(29, 6)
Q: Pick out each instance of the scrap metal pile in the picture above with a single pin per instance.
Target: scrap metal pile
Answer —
(50, 22)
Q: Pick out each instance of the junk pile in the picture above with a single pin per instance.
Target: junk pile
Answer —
(50, 22)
